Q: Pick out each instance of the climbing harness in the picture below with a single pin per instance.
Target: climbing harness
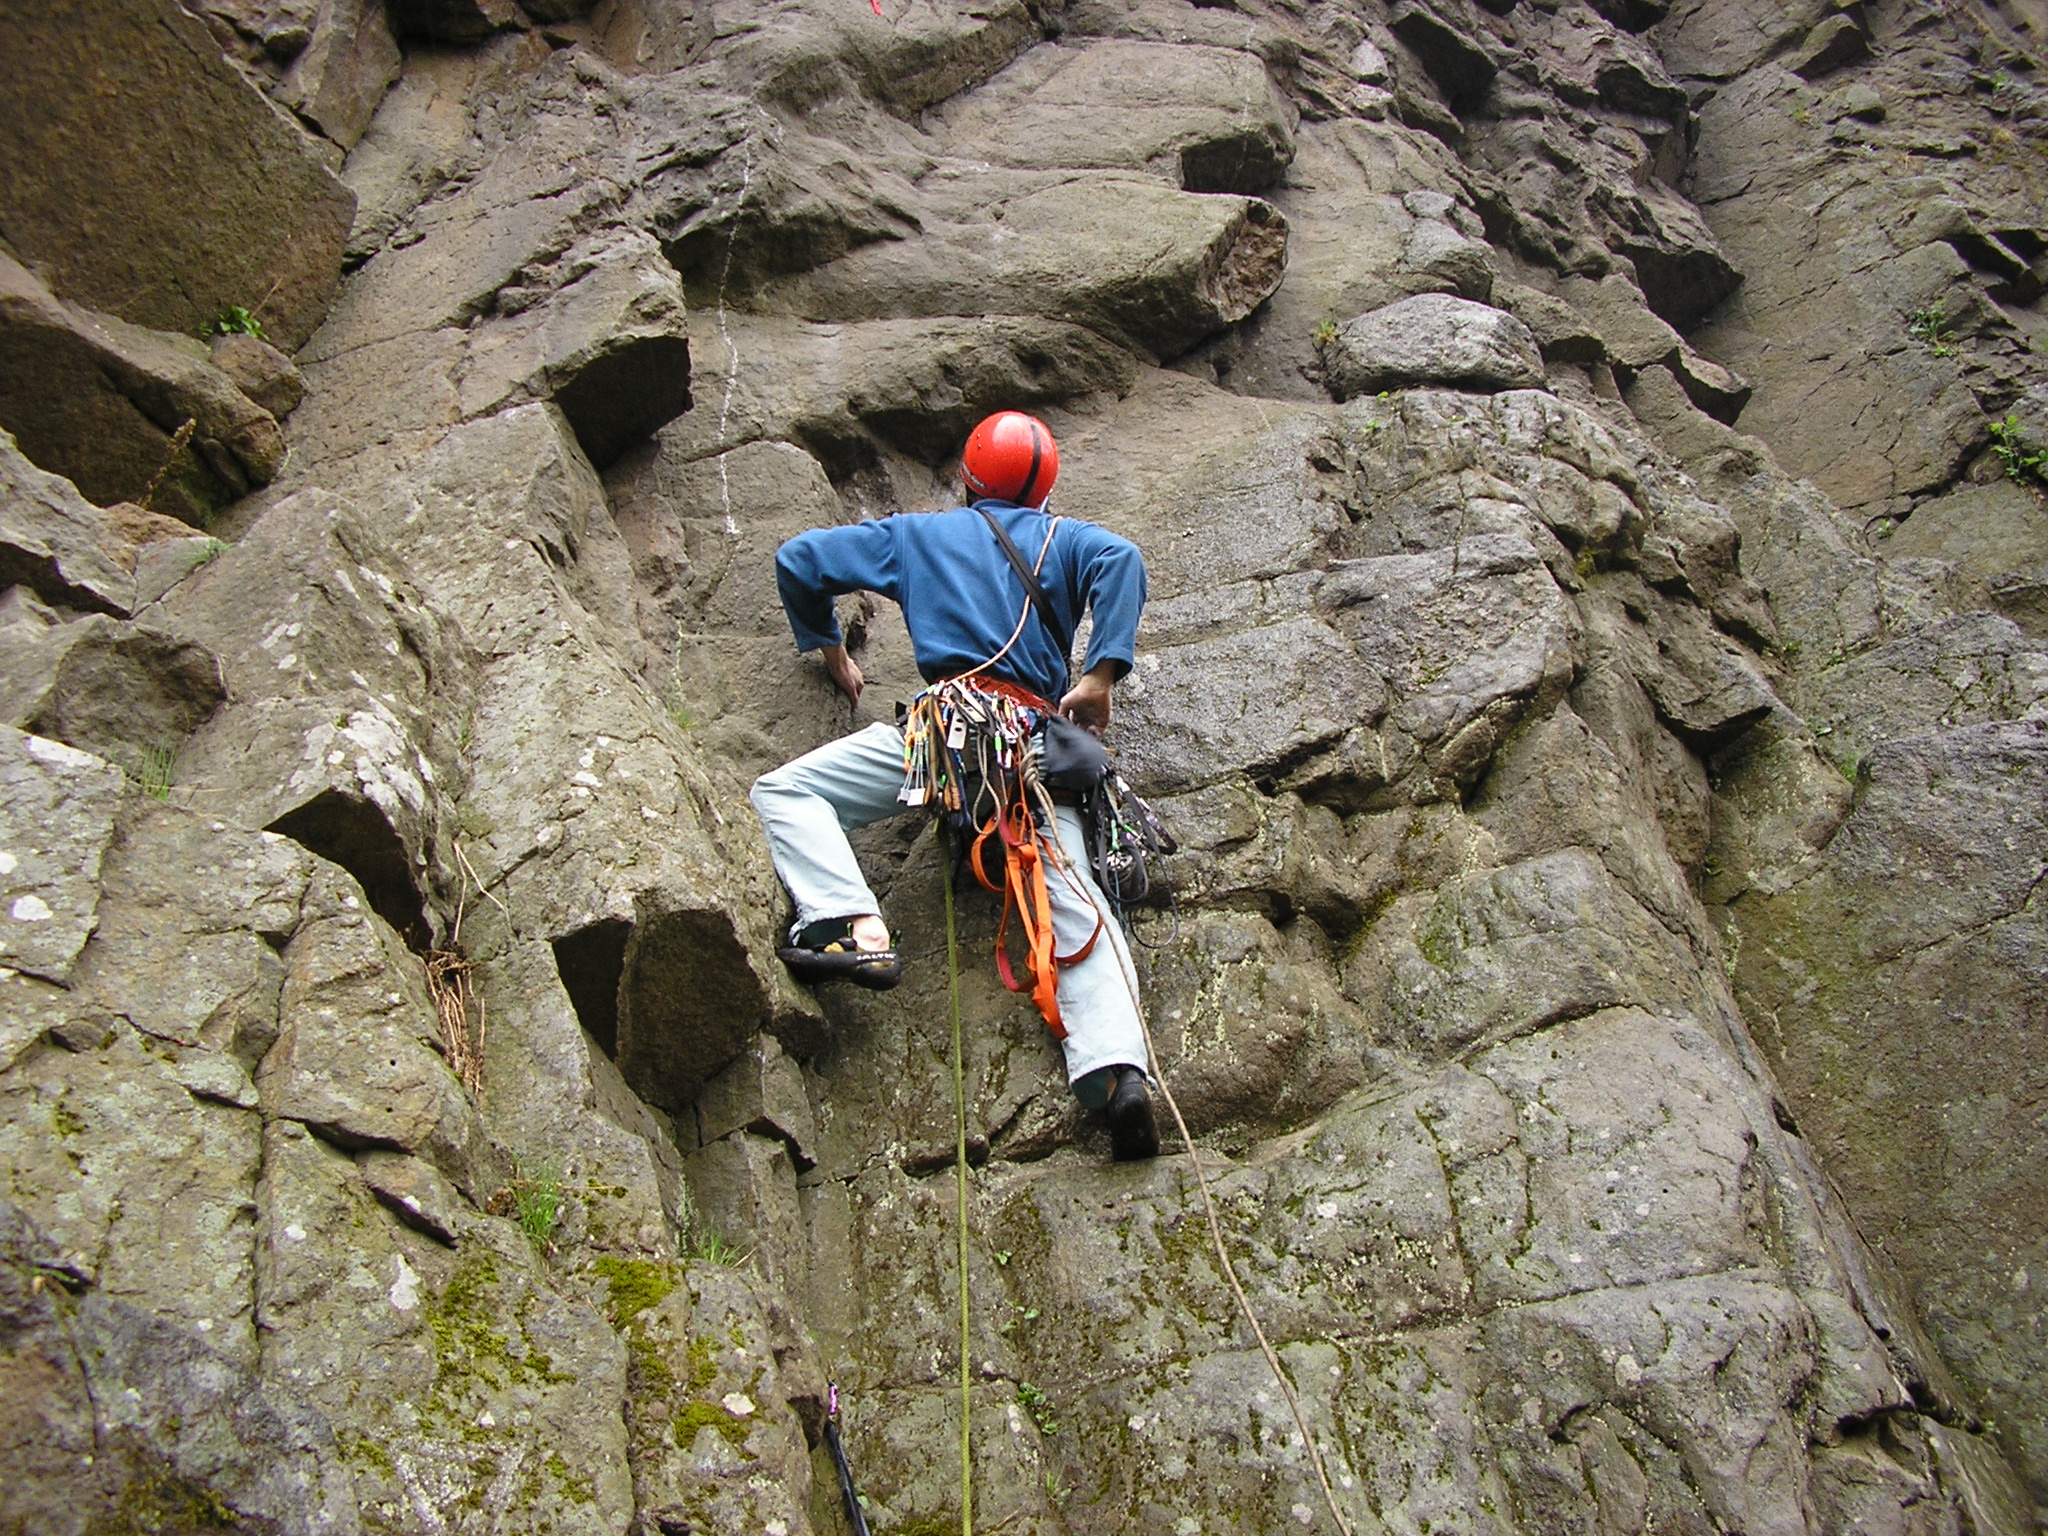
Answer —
(973, 750)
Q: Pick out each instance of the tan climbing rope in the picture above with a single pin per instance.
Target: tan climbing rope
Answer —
(1244, 1305)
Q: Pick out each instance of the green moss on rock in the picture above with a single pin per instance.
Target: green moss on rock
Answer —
(634, 1285)
(163, 1504)
(697, 1415)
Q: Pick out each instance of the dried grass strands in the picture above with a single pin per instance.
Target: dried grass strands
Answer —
(448, 984)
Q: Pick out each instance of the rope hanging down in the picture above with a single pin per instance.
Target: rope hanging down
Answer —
(1244, 1305)
(960, 1187)
(1308, 1440)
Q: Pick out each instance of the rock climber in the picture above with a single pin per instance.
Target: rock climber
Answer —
(994, 654)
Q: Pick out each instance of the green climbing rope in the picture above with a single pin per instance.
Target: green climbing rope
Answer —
(960, 1186)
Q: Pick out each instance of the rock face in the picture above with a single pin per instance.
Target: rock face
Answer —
(1594, 667)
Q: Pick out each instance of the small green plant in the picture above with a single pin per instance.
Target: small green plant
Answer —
(1018, 1314)
(708, 1246)
(1930, 326)
(537, 1206)
(1802, 116)
(1039, 1406)
(684, 718)
(2019, 464)
(152, 773)
(237, 321)
(1325, 332)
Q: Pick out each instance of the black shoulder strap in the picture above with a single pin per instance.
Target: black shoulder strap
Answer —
(1034, 589)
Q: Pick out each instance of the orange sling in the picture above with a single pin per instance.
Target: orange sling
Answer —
(1024, 890)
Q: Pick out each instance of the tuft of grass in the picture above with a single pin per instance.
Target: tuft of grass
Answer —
(1325, 332)
(152, 770)
(2019, 464)
(537, 1206)
(710, 1247)
(1931, 327)
(237, 321)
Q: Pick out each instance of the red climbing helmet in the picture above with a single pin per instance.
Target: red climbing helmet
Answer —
(1011, 457)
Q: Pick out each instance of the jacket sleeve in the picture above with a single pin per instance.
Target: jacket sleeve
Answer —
(815, 567)
(1112, 582)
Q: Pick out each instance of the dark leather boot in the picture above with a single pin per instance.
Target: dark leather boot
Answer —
(1133, 1132)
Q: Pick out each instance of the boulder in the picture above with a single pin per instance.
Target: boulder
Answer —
(381, 1080)
(1836, 41)
(102, 403)
(1459, 62)
(611, 349)
(761, 1092)
(259, 371)
(453, 21)
(1135, 260)
(1563, 334)
(1444, 255)
(146, 178)
(915, 386)
(1719, 41)
(1432, 339)
(340, 76)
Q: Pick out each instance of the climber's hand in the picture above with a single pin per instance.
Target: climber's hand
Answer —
(845, 671)
(1087, 704)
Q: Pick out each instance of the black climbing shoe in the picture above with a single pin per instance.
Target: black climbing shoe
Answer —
(825, 951)
(1133, 1133)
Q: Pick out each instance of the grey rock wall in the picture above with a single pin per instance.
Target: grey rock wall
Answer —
(1594, 667)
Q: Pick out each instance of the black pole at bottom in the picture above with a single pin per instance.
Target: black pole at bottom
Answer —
(855, 1520)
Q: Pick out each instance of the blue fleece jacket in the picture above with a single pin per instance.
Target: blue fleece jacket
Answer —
(960, 597)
